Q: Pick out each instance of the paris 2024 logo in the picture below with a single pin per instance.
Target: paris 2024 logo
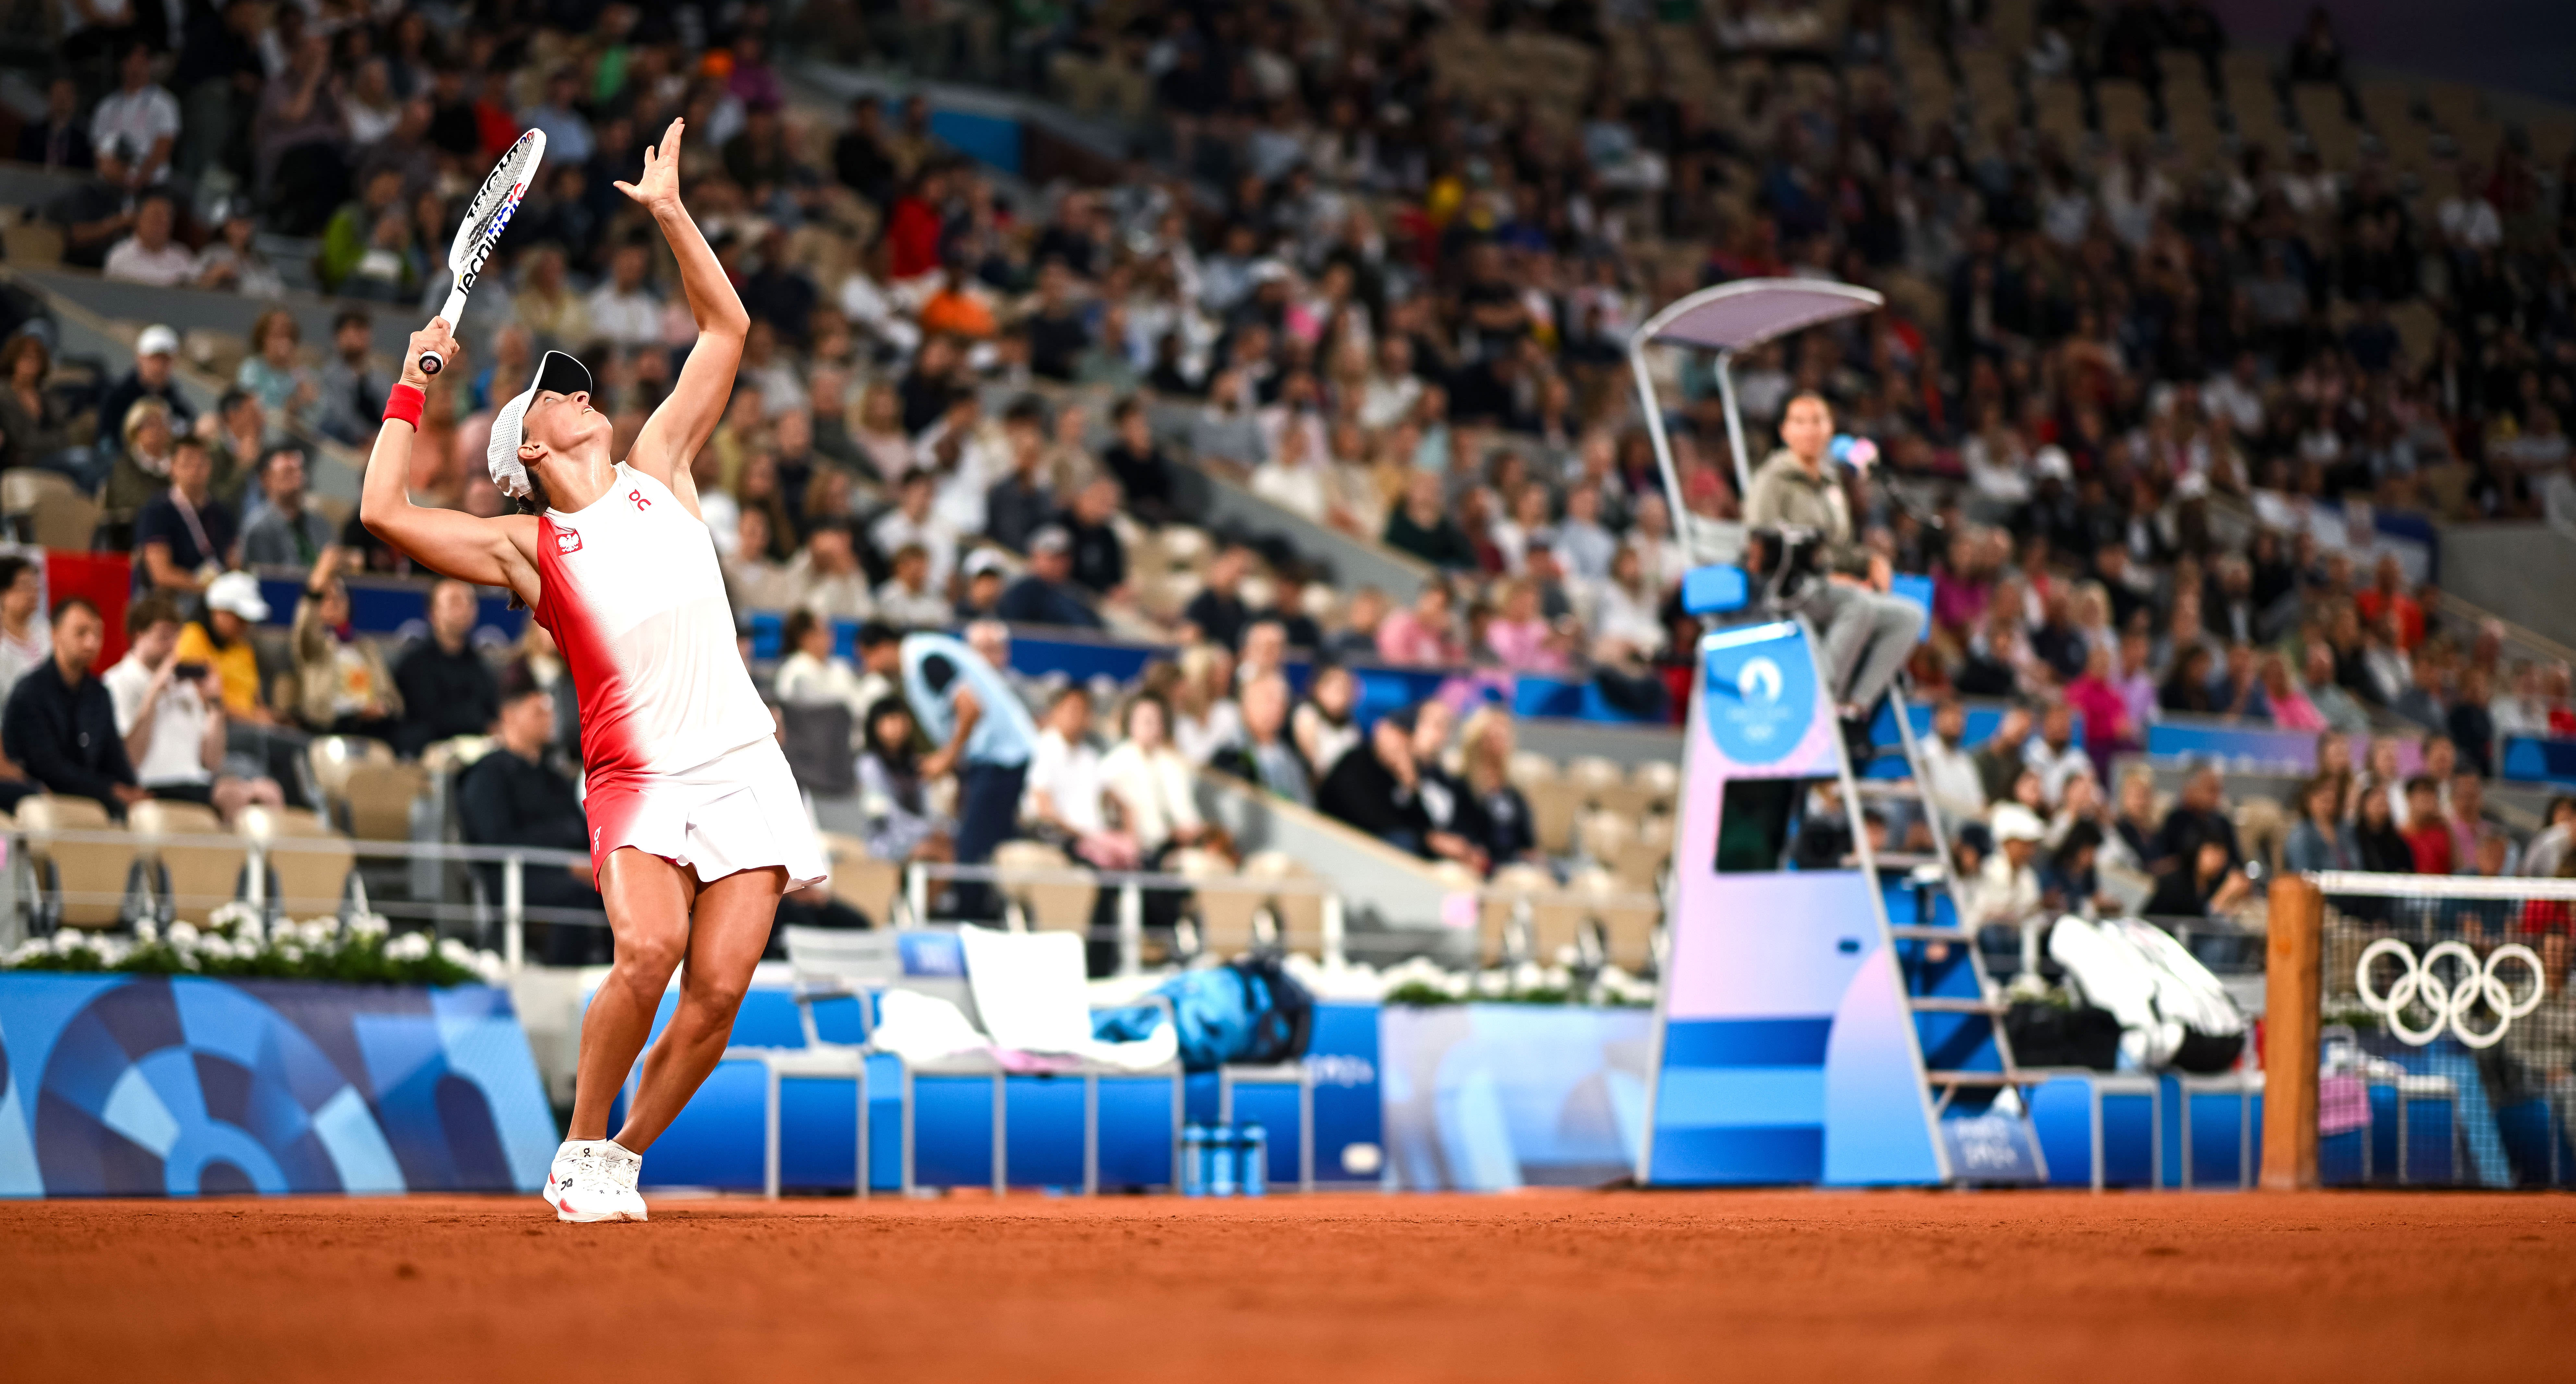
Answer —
(1761, 695)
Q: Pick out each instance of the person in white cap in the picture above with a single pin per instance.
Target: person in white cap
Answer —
(222, 642)
(154, 376)
(2005, 892)
(696, 826)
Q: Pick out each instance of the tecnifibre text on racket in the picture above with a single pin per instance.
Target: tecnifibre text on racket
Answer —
(485, 218)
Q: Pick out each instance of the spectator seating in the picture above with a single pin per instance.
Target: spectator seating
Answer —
(1299, 913)
(365, 790)
(81, 883)
(1054, 905)
(46, 508)
(190, 881)
(309, 877)
(862, 881)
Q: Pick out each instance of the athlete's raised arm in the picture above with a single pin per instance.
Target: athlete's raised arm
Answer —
(448, 541)
(682, 424)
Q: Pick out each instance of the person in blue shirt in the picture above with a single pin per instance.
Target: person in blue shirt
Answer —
(983, 733)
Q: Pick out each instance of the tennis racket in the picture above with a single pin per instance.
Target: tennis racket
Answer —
(485, 218)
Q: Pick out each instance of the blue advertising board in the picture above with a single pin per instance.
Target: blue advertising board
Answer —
(117, 1085)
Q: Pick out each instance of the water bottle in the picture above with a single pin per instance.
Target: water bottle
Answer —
(1193, 1170)
(1256, 1161)
(1225, 1148)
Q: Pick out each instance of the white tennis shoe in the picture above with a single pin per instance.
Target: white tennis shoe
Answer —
(593, 1180)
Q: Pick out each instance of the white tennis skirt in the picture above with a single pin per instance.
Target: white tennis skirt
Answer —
(738, 811)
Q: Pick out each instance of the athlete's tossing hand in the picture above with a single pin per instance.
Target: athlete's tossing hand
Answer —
(437, 336)
(657, 188)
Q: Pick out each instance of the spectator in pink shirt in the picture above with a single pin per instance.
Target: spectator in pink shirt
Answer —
(1520, 638)
(2107, 726)
(2291, 709)
(1421, 636)
(2136, 681)
(1962, 585)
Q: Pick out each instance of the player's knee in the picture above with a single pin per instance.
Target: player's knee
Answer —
(708, 1006)
(646, 960)
(1899, 617)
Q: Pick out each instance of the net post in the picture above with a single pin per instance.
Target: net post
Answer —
(2293, 976)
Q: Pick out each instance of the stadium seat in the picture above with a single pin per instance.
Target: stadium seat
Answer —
(91, 884)
(364, 788)
(1592, 773)
(378, 799)
(1527, 767)
(1554, 805)
(1045, 905)
(190, 880)
(1604, 834)
(1225, 905)
(1300, 911)
(22, 486)
(1630, 796)
(861, 880)
(1662, 778)
(1628, 918)
(64, 523)
(35, 244)
(1511, 892)
(1639, 862)
(309, 864)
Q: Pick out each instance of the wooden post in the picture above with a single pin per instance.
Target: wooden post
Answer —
(2290, 997)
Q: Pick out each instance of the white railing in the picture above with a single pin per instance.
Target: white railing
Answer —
(912, 907)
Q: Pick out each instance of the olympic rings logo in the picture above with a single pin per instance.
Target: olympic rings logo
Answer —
(2450, 1002)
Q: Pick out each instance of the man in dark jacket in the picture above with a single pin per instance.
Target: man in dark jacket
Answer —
(512, 797)
(1422, 526)
(1047, 596)
(447, 689)
(60, 724)
(1379, 792)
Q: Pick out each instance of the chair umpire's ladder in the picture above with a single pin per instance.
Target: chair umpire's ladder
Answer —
(1958, 1010)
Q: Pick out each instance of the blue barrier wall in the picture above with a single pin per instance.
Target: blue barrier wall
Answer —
(114, 1085)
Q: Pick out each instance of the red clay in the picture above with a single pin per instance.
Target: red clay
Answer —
(2180, 1289)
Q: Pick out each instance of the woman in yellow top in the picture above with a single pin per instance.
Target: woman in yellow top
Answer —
(222, 642)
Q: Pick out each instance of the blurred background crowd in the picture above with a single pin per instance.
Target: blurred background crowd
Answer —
(2185, 348)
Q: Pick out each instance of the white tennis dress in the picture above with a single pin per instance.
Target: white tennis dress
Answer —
(680, 759)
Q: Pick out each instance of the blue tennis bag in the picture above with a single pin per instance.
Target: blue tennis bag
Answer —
(1248, 1012)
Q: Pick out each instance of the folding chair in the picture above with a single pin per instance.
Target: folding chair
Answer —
(1030, 995)
(827, 963)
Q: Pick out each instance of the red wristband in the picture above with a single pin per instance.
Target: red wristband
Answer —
(404, 401)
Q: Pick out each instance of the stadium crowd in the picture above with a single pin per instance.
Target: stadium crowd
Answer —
(2121, 395)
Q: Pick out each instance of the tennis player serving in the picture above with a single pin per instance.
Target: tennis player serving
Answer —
(696, 827)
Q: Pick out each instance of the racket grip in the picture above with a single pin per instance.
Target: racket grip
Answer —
(430, 361)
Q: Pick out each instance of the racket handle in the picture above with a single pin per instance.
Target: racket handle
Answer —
(430, 362)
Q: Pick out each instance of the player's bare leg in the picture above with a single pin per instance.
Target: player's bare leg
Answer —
(729, 930)
(648, 901)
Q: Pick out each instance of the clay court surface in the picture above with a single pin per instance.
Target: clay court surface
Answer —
(1540, 1286)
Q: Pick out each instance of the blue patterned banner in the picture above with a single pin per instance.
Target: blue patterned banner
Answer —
(115, 1085)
